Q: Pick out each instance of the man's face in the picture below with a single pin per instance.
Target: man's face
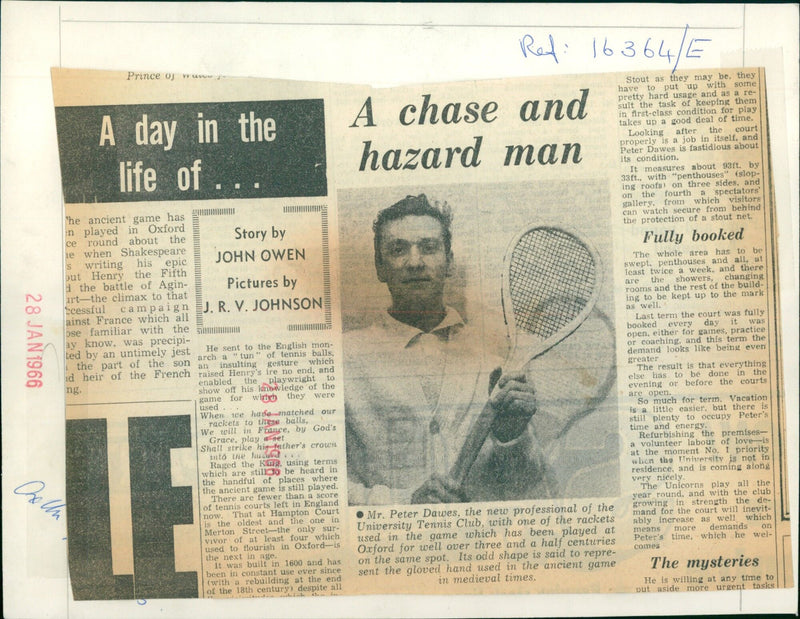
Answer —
(413, 262)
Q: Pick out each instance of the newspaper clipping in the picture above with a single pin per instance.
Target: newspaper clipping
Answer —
(509, 336)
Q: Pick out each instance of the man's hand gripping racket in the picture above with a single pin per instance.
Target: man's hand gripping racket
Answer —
(550, 283)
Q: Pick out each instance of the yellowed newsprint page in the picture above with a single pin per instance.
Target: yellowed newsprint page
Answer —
(512, 336)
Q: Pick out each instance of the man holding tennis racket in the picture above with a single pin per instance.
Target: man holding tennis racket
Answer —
(417, 380)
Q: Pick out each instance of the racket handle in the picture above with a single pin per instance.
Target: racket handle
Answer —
(472, 445)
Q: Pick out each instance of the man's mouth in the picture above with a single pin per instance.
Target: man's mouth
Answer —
(416, 280)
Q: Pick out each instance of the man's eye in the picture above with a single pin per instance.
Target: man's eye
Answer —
(429, 247)
(397, 250)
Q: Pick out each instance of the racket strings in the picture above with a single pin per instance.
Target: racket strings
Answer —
(551, 279)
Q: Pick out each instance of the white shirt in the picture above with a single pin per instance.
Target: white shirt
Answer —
(410, 399)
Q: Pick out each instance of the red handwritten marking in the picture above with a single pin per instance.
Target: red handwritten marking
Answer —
(272, 435)
(33, 362)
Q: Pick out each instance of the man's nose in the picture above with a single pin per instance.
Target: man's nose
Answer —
(414, 258)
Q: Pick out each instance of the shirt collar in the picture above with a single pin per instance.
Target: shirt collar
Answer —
(402, 334)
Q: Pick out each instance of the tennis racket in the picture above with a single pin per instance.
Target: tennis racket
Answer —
(550, 284)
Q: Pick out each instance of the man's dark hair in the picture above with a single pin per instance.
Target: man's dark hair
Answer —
(414, 205)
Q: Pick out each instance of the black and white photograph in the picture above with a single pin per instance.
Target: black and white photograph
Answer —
(479, 343)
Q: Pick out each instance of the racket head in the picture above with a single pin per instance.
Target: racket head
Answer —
(551, 281)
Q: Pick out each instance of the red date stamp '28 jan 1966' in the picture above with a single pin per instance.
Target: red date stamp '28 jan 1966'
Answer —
(35, 349)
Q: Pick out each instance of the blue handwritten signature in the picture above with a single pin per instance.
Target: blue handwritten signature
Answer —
(33, 491)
